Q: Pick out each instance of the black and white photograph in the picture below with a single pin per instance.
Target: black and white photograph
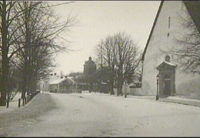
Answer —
(92, 68)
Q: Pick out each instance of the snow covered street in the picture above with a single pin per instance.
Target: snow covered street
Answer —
(95, 114)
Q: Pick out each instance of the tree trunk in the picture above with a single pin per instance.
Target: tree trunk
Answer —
(4, 82)
(111, 87)
(119, 81)
(112, 80)
(119, 90)
(5, 59)
(24, 85)
(26, 74)
(119, 85)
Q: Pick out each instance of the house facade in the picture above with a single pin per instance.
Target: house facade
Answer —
(161, 72)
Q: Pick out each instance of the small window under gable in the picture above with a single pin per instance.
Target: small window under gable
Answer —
(169, 25)
(169, 22)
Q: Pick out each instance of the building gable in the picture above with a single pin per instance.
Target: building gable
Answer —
(166, 27)
(151, 32)
(193, 8)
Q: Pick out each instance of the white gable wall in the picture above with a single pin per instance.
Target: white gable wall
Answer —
(187, 84)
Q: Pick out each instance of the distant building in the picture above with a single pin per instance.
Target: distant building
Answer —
(43, 85)
(89, 73)
(62, 85)
(89, 67)
(54, 84)
(67, 85)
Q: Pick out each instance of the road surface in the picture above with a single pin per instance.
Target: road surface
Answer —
(93, 114)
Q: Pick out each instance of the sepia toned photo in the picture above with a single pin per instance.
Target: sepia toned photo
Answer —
(99, 68)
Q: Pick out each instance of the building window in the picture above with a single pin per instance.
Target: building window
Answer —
(169, 22)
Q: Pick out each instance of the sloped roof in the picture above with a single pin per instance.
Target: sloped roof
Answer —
(68, 81)
(56, 80)
(193, 8)
(151, 32)
(164, 63)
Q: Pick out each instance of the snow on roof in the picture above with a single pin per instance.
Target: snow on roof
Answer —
(71, 79)
(169, 63)
(166, 62)
(56, 80)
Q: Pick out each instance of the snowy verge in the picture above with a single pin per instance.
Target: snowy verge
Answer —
(172, 99)
(13, 104)
(179, 100)
(40, 104)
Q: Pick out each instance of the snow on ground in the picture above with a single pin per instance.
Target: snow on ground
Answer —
(182, 98)
(13, 105)
(94, 114)
(13, 118)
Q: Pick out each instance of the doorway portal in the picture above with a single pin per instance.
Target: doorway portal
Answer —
(166, 82)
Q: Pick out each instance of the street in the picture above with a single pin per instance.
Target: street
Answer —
(95, 114)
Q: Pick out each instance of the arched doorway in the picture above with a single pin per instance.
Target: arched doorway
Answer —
(166, 81)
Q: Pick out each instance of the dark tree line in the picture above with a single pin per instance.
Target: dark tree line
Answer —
(28, 31)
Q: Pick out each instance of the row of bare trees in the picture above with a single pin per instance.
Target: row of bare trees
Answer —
(28, 31)
(120, 54)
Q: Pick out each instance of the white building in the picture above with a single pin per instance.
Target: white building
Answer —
(167, 28)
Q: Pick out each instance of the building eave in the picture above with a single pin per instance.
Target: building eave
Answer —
(152, 29)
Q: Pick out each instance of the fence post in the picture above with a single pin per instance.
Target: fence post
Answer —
(23, 101)
(19, 102)
(27, 99)
(7, 105)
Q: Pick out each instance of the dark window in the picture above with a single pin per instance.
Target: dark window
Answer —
(169, 21)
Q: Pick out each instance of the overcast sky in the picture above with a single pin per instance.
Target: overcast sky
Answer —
(96, 20)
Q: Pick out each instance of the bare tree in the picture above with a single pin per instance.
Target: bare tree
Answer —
(7, 17)
(7, 31)
(121, 55)
(127, 59)
(38, 30)
(187, 52)
(106, 56)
